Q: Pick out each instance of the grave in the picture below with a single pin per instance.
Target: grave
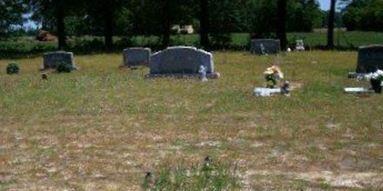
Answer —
(53, 59)
(265, 46)
(182, 60)
(133, 57)
(370, 58)
(300, 45)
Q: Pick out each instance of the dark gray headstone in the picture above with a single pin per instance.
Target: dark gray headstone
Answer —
(265, 46)
(370, 58)
(136, 57)
(53, 59)
(181, 60)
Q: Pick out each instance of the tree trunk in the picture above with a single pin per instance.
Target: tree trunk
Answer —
(60, 15)
(204, 24)
(109, 25)
(108, 32)
(281, 23)
(331, 21)
(166, 24)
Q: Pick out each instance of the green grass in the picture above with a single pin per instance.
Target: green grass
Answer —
(206, 176)
(27, 46)
(102, 128)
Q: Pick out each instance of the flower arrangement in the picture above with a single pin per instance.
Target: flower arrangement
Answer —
(273, 75)
(376, 80)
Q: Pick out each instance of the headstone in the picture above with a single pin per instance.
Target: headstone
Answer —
(265, 46)
(136, 57)
(181, 60)
(299, 45)
(53, 59)
(370, 58)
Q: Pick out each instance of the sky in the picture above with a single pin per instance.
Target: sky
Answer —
(324, 4)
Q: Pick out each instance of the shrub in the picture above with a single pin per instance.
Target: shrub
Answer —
(13, 68)
(64, 67)
(208, 176)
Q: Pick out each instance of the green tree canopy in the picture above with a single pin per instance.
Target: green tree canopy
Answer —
(11, 12)
(364, 15)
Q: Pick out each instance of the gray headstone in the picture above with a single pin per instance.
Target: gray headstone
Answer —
(181, 60)
(370, 58)
(53, 59)
(136, 56)
(265, 46)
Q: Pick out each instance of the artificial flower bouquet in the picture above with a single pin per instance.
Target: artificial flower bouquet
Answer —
(376, 80)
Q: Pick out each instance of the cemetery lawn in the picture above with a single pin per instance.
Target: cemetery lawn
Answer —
(102, 128)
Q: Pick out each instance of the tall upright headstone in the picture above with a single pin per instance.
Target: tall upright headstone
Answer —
(265, 46)
(136, 57)
(53, 59)
(370, 58)
(181, 60)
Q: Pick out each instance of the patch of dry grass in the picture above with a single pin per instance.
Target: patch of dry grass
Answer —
(102, 128)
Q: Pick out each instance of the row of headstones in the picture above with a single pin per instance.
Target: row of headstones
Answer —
(180, 59)
(171, 61)
(370, 58)
(188, 60)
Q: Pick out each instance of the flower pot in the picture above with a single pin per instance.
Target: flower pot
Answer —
(376, 85)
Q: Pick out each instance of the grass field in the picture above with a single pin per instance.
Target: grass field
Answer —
(103, 128)
(27, 46)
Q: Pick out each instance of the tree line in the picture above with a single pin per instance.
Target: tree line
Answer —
(214, 20)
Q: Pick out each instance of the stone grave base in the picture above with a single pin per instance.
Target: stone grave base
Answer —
(353, 75)
(51, 70)
(266, 92)
(122, 67)
(214, 75)
(357, 90)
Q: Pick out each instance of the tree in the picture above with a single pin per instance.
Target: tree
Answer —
(11, 12)
(54, 11)
(365, 15)
(166, 22)
(204, 23)
(303, 15)
(156, 17)
(281, 23)
(331, 22)
(224, 19)
(104, 13)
